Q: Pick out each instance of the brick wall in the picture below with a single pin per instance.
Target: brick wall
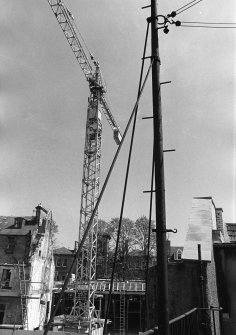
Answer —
(184, 289)
(225, 257)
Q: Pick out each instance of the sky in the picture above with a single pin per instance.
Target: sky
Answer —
(43, 104)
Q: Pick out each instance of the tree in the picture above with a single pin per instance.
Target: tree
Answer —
(54, 231)
(133, 242)
(141, 234)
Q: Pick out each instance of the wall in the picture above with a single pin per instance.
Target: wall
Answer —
(21, 246)
(225, 257)
(29, 332)
(36, 252)
(212, 298)
(184, 289)
(9, 296)
(12, 313)
(41, 276)
(61, 269)
(182, 277)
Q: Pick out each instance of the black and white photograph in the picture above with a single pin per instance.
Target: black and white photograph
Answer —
(118, 167)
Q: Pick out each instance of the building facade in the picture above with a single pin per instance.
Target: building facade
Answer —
(26, 270)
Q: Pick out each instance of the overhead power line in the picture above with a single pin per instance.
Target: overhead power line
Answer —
(206, 26)
(185, 5)
(230, 23)
(189, 5)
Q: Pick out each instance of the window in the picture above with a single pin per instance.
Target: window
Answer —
(5, 280)
(178, 255)
(58, 262)
(56, 278)
(2, 310)
(61, 262)
(10, 245)
(64, 262)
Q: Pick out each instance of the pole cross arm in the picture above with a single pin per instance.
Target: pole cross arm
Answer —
(165, 231)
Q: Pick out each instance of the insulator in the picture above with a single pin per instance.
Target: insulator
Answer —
(166, 30)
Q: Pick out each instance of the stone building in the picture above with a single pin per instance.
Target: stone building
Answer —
(26, 270)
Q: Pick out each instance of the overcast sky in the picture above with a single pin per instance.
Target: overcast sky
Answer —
(43, 104)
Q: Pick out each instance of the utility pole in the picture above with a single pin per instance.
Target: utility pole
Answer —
(162, 277)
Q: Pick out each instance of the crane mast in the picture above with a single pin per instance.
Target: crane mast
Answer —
(86, 264)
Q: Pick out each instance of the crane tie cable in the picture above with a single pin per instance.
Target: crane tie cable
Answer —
(126, 182)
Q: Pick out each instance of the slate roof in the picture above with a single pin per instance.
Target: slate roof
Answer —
(6, 222)
(231, 229)
(175, 248)
(62, 251)
(7, 225)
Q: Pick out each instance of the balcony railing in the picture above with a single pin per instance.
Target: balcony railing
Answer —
(197, 321)
(104, 286)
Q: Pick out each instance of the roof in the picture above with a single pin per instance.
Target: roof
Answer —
(175, 248)
(7, 225)
(6, 222)
(231, 229)
(62, 251)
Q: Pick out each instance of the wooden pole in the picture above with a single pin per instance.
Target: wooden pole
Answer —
(162, 277)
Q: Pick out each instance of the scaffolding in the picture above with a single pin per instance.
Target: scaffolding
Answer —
(23, 294)
(122, 310)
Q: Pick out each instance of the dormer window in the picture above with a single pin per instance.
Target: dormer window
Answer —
(178, 255)
(18, 223)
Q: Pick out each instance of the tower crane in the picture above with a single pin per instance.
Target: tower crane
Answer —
(86, 264)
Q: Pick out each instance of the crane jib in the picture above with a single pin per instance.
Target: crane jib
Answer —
(94, 77)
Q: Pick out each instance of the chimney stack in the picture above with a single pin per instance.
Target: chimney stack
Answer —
(219, 220)
(40, 215)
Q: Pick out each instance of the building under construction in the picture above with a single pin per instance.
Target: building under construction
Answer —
(26, 270)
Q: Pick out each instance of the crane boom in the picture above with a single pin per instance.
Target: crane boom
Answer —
(66, 22)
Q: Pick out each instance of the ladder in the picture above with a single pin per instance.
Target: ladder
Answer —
(23, 294)
(122, 311)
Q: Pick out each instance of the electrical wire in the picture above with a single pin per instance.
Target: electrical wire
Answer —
(188, 7)
(196, 22)
(185, 5)
(200, 26)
